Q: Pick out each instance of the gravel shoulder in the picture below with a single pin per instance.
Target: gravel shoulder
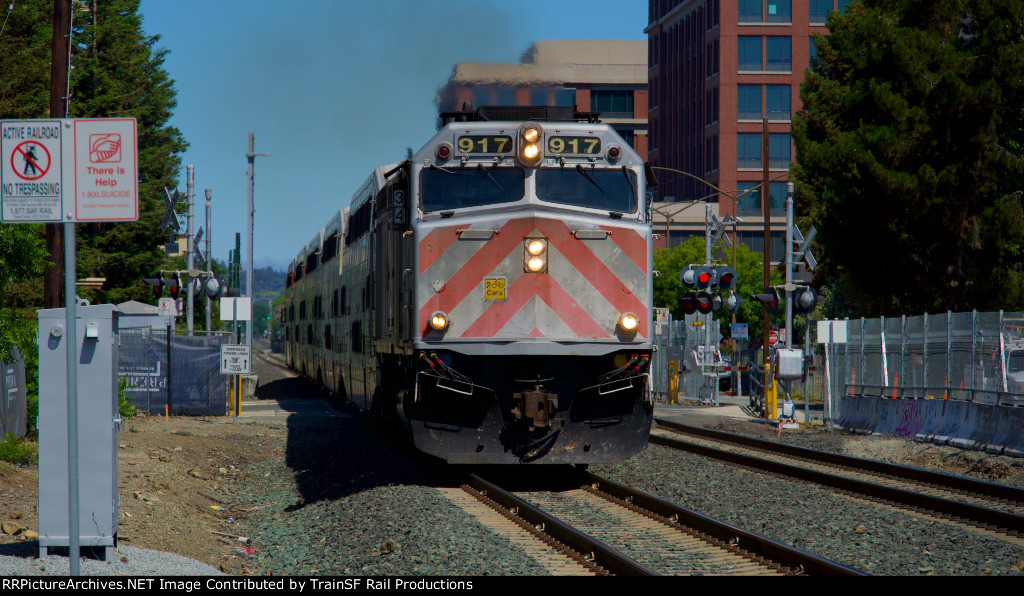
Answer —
(279, 495)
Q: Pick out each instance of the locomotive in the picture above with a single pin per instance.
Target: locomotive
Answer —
(491, 295)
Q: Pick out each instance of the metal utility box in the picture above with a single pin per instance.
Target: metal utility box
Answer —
(98, 428)
(790, 364)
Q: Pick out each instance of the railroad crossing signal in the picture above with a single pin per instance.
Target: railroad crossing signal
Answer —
(804, 300)
(800, 251)
(170, 221)
(708, 285)
(770, 300)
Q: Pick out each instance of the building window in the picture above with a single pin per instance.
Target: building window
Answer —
(780, 53)
(506, 96)
(748, 55)
(755, 242)
(779, 151)
(780, 11)
(612, 104)
(749, 204)
(777, 102)
(819, 11)
(842, 5)
(748, 151)
(749, 11)
(538, 98)
(748, 102)
(565, 97)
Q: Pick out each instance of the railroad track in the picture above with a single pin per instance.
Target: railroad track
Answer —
(605, 528)
(994, 508)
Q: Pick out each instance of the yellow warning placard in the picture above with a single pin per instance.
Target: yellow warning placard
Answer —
(494, 288)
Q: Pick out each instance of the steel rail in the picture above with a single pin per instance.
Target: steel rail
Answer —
(973, 513)
(991, 489)
(604, 555)
(756, 544)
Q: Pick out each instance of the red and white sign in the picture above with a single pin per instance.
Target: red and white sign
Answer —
(773, 338)
(69, 170)
(31, 177)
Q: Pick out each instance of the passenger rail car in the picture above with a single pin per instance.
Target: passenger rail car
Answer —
(492, 295)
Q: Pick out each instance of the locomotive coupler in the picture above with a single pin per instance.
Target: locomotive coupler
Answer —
(537, 406)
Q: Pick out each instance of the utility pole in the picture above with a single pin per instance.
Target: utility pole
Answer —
(248, 230)
(53, 275)
(209, 259)
(190, 249)
(766, 212)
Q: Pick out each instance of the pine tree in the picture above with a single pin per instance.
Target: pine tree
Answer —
(119, 73)
(909, 153)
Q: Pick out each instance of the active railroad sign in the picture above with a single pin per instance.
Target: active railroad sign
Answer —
(235, 359)
(69, 170)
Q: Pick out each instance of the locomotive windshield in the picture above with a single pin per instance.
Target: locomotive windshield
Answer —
(611, 190)
(454, 188)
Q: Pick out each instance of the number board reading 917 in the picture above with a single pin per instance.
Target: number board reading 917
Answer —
(574, 145)
(485, 144)
(235, 359)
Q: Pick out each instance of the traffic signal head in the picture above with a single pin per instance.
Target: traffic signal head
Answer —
(804, 300)
(157, 283)
(705, 303)
(688, 303)
(725, 278)
(696, 277)
(174, 284)
(733, 302)
(770, 300)
(215, 288)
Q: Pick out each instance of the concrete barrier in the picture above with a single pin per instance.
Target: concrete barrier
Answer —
(985, 427)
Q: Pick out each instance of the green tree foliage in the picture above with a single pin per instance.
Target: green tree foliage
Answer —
(750, 280)
(909, 154)
(25, 60)
(119, 74)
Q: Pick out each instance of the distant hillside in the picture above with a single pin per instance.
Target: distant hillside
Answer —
(267, 283)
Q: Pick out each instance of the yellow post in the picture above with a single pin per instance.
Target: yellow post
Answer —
(673, 382)
(770, 393)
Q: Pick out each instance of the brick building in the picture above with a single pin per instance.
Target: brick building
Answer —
(718, 70)
(609, 77)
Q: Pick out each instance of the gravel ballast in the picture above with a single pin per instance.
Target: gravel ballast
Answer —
(345, 499)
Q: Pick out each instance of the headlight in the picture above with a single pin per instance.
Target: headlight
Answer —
(629, 322)
(439, 321)
(536, 259)
(529, 145)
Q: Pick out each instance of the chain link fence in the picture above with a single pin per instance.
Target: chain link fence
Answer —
(971, 356)
(676, 342)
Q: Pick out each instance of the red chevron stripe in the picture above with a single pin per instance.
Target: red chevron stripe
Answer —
(594, 271)
(547, 289)
(434, 245)
(631, 243)
(482, 262)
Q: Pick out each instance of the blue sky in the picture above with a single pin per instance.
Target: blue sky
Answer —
(331, 89)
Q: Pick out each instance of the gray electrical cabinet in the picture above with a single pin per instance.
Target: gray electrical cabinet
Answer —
(99, 426)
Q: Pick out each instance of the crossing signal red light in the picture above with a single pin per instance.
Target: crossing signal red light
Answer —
(705, 303)
(688, 304)
(770, 300)
(157, 283)
(174, 284)
(725, 278)
(696, 277)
